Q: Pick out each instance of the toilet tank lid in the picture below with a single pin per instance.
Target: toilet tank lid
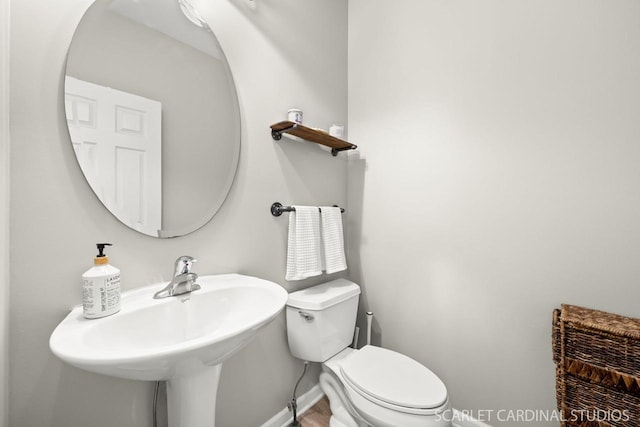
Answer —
(325, 295)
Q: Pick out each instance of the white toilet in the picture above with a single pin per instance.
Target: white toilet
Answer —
(372, 386)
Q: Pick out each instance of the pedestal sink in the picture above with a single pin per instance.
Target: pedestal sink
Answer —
(182, 339)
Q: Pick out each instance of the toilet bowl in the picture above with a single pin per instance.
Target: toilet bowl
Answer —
(382, 388)
(372, 386)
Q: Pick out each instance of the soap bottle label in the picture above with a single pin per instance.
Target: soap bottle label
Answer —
(101, 296)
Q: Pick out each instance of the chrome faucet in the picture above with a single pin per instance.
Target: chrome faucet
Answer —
(184, 281)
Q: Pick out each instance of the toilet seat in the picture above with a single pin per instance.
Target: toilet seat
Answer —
(393, 380)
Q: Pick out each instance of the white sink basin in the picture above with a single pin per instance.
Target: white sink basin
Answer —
(182, 339)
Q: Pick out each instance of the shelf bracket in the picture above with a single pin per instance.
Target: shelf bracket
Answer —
(335, 151)
(277, 134)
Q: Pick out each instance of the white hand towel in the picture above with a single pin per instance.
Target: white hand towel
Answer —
(303, 252)
(332, 239)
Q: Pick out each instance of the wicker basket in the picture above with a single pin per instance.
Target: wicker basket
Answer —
(597, 358)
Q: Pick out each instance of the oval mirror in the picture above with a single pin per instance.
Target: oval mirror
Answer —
(152, 113)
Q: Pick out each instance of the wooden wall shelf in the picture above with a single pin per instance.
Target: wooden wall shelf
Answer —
(312, 135)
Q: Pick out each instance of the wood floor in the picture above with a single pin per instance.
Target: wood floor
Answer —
(317, 416)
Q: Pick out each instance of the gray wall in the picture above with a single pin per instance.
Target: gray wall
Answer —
(498, 178)
(4, 210)
(56, 219)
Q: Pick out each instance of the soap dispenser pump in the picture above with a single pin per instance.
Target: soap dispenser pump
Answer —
(101, 287)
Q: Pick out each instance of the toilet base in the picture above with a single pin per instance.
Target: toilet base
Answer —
(340, 415)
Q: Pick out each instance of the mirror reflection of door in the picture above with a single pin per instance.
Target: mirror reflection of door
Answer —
(117, 139)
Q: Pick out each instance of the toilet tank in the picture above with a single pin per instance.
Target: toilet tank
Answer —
(321, 319)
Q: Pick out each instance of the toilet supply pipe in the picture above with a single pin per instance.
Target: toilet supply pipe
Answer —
(369, 321)
(293, 405)
(356, 335)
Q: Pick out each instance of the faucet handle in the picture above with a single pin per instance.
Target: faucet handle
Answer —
(184, 263)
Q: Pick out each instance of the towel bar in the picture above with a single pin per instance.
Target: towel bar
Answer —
(277, 209)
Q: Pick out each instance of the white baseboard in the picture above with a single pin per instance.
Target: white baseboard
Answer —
(463, 420)
(284, 418)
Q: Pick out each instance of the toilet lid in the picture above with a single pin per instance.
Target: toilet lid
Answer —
(393, 378)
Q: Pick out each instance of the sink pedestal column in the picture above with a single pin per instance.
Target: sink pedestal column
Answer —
(191, 398)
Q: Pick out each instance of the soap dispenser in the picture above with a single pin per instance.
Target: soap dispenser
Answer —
(101, 287)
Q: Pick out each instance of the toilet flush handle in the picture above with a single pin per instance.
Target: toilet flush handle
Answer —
(306, 316)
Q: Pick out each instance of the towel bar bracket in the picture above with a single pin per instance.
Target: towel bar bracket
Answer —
(276, 209)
